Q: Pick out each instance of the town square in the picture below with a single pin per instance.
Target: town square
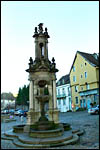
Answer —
(48, 112)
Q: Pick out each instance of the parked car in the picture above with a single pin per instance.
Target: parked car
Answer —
(5, 111)
(12, 111)
(17, 111)
(94, 110)
(21, 113)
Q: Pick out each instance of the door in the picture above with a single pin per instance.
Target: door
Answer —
(70, 105)
(84, 103)
(88, 103)
(81, 103)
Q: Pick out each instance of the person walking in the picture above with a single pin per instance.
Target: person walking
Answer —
(22, 118)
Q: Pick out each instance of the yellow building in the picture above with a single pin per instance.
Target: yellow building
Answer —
(84, 80)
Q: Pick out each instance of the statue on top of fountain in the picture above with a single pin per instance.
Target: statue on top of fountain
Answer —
(40, 27)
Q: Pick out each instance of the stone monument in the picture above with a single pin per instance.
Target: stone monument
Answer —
(42, 77)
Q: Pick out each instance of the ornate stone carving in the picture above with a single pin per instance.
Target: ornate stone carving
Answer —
(40, 27)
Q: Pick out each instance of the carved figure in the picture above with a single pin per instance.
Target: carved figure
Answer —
(53, 60)
(35, 29)
(40, 27)
(31, 60)
(45, 29)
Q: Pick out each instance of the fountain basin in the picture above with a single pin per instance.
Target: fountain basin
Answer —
(43, 98)
(56, 132)
(18, 128)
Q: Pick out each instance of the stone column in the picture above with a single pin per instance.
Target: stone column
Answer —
(54, 95)
(31, 95)
(55, 111)
(30, 114)
(36, 103)
(50, 103)
(50, 93)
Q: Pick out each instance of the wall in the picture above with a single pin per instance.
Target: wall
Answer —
(64, 105)
(82, 66)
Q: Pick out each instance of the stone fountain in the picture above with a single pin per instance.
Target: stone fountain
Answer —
(40, 131)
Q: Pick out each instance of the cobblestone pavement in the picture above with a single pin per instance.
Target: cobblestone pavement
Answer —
(81, 120)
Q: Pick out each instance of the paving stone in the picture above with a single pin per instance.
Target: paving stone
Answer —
(90, 123)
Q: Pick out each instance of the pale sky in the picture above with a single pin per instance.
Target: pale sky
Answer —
(72, 26)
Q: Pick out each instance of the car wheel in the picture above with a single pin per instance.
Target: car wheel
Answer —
(96, 112)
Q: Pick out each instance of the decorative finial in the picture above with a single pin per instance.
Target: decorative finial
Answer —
(31, 60)
(53, 60)
(40, 27)
(45, 29)
(36, 30)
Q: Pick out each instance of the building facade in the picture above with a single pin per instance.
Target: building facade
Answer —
(84, 80)
(7, 104)
(63, 94)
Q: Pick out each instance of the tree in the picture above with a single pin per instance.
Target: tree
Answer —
(23, 96)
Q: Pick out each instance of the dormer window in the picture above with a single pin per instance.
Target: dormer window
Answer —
(58, 82)
(95, 55)
(63, 81)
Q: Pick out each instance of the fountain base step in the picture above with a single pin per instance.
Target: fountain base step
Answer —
(23, 139)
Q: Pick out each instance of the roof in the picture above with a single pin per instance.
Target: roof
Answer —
(63, 80)
(89, 57)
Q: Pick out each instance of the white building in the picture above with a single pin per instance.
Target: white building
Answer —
(63, 89)
(7, 103)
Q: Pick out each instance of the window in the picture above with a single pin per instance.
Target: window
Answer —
(42, 51)
(95, 98)
(63, 90)
(64, 101)
(87, 86)
(59, 102)
(81, 104)
(81, 76)
(81, 65)
(63, 81)
(73, 68)
(83, 100)
(85, 74)
(76, 88)
(58, 82)
(76, 98)
(74, 78)
(69, 92)
(84, 103)
(58, 91)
